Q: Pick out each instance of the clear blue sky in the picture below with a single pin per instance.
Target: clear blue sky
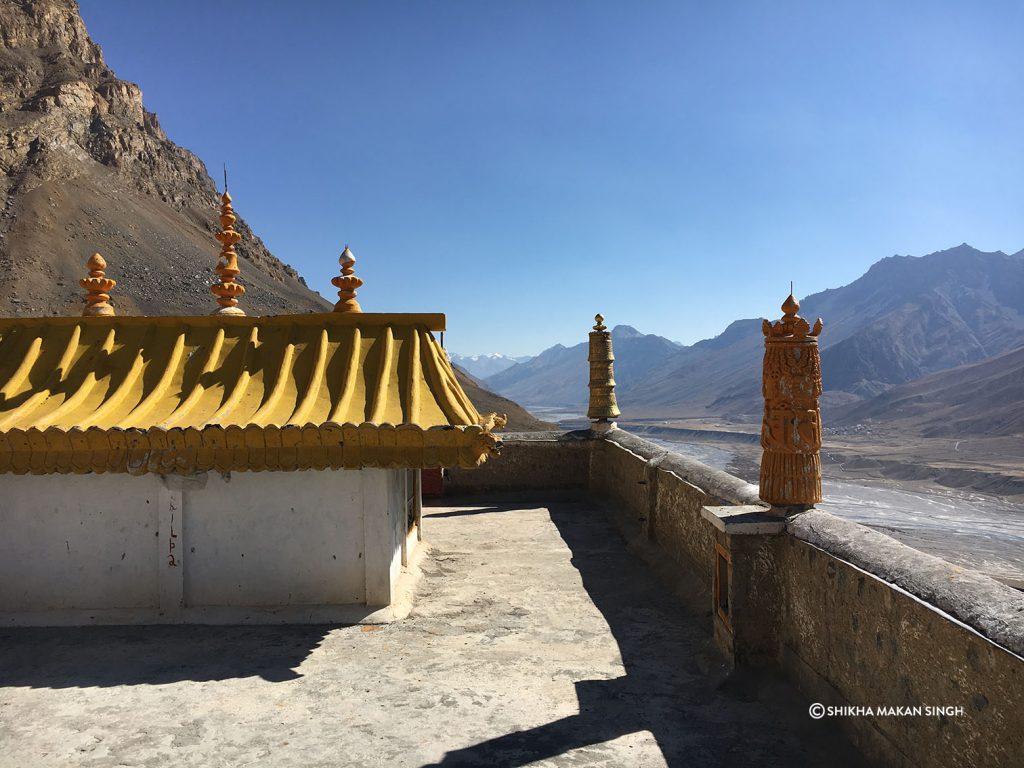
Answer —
(522, 165)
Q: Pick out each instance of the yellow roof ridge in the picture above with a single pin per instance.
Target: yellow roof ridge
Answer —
(235, 448)
(434, 321)
(66, 381)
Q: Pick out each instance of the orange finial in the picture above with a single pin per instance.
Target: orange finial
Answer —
(790, 306)
(791, 324)
(97, 286)
(226, 289)
(347, 284)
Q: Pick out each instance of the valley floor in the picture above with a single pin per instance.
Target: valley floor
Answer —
(990, 465)
(960, 500)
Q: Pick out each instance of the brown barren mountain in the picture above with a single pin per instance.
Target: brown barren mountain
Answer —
(985, 398)
(85, 167)
(519, 419)
(905, 318)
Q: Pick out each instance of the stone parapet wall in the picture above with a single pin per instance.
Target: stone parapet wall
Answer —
(852, 616)
(531, 463)
(866, 620)
(659, 493)
(989, 607)
(663, 493)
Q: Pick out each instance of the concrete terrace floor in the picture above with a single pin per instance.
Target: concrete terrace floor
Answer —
(535, 636)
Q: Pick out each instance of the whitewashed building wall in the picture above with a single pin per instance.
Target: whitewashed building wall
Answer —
(243, 547)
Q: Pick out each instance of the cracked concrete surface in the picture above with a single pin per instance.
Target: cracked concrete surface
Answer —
(535, 638)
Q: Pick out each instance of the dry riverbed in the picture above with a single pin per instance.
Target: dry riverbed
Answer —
(962, 501)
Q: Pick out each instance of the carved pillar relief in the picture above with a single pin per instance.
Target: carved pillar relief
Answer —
(791, 428)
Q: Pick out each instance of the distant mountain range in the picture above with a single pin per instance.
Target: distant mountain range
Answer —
(485, 401)
(558, 376)
(482, 366)
(985, 398)
(84, 166)
(906, 317)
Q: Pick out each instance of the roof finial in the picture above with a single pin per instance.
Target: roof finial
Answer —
(97, 286)
(226, 289)
(790, 306)
(602, 409)
(347, 284)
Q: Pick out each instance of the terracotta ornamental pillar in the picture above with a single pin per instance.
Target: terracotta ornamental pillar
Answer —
(603, 409)
(791, 429)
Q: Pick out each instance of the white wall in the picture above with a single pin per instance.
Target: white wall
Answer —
(87, 544)
(248, 546)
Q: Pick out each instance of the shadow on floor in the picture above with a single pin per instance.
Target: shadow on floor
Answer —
(471, 511)
(674, 684)
(82, 657)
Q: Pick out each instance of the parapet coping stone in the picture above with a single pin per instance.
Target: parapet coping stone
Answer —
(548, 436)
(744, 520)
(989, 607)
(714, 482)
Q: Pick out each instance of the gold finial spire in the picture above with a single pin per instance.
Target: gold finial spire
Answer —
(97, 286)
(347, 283)
(226, 289)
(603, 409)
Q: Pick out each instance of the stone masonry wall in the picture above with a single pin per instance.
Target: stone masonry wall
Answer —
(531, 463)
(854, 617)
(664, 492)
(848, 636)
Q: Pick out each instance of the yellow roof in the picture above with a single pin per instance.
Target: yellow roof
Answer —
(184, 394)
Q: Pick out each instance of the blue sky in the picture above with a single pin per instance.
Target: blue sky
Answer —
(523, 165)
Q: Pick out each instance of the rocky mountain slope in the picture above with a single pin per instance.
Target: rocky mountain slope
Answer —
(85, 167)
(985, 398)
(519, 419)
(903, 319)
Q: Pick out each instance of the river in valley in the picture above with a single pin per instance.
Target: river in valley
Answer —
(973, 530)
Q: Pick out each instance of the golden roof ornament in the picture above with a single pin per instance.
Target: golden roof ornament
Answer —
(97, 286)
(347, 284)
(791, 427)
(226, 289)
(603, 409)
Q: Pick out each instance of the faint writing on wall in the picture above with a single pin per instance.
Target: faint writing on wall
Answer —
(172, 562)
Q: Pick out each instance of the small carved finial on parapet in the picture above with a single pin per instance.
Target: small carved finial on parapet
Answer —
(603, 410)
(791, 428)
(226, 289)
(347, 284)
(97, 286)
